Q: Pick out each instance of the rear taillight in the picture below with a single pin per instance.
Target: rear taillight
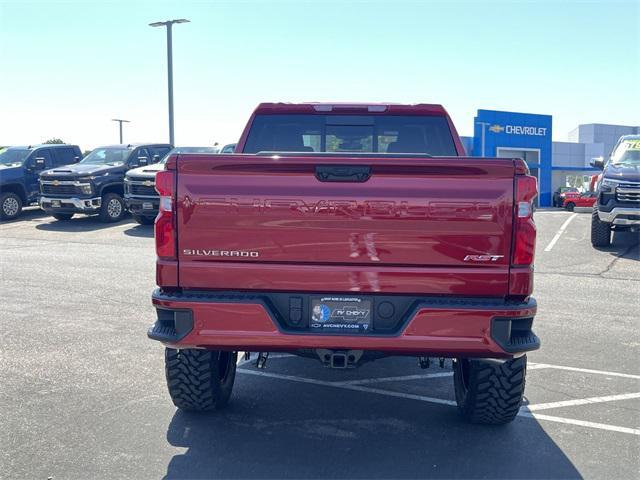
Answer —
(165, 231)
(525, 229)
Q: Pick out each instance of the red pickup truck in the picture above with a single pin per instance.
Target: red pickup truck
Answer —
(347, 233)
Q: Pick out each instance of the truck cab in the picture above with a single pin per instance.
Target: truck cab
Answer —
(95, 185)
(618, 192)
(19, 170)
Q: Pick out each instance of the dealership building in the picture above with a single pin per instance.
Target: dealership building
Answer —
(528, 136)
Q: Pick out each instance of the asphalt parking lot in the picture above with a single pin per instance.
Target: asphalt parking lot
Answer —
(82, 390)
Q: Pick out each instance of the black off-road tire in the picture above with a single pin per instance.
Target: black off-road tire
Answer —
(109, 212)
(489, 392)
(10, 206)
(142, 220)
(200, 380)
(62, 216)
(600, 231)
(570, 206)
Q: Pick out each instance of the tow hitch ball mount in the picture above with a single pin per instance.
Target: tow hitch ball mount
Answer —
(339, 359)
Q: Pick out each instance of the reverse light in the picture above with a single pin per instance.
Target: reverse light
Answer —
(165, 232)
(525, 229)
(524, 209)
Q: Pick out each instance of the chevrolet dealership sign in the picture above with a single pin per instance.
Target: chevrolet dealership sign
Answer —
(516, 134)
(519, 130)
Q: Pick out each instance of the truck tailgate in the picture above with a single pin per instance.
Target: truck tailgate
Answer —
(415, 224)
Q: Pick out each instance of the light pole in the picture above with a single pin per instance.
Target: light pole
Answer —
(169, 24)
(120, 121)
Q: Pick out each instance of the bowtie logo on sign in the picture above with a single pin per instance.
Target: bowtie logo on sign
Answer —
(519, 130)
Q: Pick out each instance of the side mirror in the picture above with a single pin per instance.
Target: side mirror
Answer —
(76, 159)
(38, 164)
(143, 160)
(597, 163)
(156, 158)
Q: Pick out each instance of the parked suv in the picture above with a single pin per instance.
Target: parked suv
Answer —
(618, 193)
(19, 169)
(95, 185)
(140, 194)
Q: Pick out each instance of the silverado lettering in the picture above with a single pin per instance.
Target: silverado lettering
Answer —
(355, 208)
(220, 253)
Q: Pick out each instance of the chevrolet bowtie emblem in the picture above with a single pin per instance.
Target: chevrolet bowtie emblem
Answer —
(56, 183)
(148, 183)
(496, 128)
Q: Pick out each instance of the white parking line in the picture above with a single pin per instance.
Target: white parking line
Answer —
(580, 423)
(345, 386)
(440, 401)
(395, 379)
(535, 366)
(289, 377)
(241, 360)
(390, 393)
(560, 232)
(582, 401)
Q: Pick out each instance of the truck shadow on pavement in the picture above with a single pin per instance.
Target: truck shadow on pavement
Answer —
(294, 431)
(137, 230)
(624, 245)
(29, 213)
(81, 223)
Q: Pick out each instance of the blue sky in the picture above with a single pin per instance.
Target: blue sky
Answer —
(68, 68)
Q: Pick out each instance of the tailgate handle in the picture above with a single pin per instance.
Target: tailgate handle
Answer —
(343, 173)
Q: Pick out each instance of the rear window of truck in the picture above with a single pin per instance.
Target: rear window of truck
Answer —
(351, 134)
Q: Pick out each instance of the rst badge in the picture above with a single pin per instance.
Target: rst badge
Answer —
(483, 258)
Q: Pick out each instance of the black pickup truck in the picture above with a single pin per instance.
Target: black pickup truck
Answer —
(618, 193)
(140, 195)
(95, 185)
(19, 170)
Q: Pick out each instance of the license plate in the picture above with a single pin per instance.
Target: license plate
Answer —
(147, 206)
(336, 314)
(56, 203)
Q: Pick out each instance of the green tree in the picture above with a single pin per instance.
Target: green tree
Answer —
(54, 140)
